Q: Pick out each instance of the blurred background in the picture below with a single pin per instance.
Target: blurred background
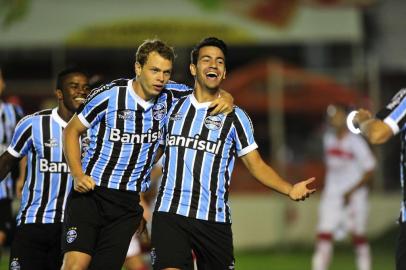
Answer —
(288, 59)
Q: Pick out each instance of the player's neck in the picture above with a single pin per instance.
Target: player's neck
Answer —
(203, 94)
(64, 113)
(139, 90)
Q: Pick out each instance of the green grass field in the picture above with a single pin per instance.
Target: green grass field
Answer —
(299, 258)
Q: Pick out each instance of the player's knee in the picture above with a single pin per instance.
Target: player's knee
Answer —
(324, 236)
(359, 239)
(74, 260)
(3, 237)
(73, 266)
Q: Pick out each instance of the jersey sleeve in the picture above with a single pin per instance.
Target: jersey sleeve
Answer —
(22, 138)
(363, 154)
(95, 107)
(394, 113)
(244, 133)
(178, 90)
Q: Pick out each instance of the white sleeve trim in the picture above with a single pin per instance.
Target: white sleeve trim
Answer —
(13, 152)
(83, 120)
(247, 149)
(392, 124)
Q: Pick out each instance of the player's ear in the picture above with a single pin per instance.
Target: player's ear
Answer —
(192, 68)
(59, 94)
(137, 68)
(224, 74)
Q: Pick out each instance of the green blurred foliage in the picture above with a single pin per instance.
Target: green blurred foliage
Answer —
(12, 11)
(209, 4)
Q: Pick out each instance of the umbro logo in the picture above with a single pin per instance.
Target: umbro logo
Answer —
(176, 116)
(126, 115)
(51, 143)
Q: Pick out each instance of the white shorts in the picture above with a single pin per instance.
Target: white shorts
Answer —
(338, 219)
(134, 248)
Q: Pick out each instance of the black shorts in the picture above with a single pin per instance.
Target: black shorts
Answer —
(37, 246)
(101, 223)
(7, 221)
(401, 248)
(175, 236)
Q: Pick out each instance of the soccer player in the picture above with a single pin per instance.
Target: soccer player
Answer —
(39, 136)
(344, 201)
(192, 211)
(140, 244)
(125, 119)
(134, 259)
(10, 114)
(387, 123)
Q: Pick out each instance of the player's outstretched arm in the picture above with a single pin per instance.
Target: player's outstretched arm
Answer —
(159, 153)
(374, 130)
(71, 147)
(224, 103)
(267, 176)
(7, 162)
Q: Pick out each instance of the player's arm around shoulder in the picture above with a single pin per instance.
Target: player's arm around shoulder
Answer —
(267, 176)
(19, 146)
(224, 103)
(71, 147)
(374, 130)
(7, 162)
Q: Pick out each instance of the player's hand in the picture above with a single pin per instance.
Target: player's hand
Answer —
(361, 116)
(224, 103)
(142, 233)
(300, 192)
(19, 187)
(142, 228)
(83, 183)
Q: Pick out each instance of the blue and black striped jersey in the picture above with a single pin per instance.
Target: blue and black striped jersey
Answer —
(10, 114)
(199, 158)
(394, 115)
(124, 133)
(47, 181)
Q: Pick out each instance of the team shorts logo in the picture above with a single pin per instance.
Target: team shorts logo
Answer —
(14, 264)
(51, 143)
(232, 265)
(71, 235)
(159, 111)
(153, 256)
(213, 122)
(126, 115)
